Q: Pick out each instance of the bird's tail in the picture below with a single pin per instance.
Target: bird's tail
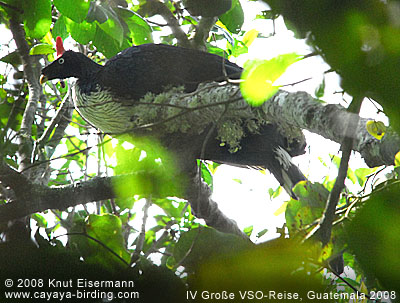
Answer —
(267, 149)
(284, 170)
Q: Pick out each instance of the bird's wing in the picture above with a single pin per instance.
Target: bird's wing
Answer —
(153, 67)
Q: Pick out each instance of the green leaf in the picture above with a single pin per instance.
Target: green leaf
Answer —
(12, 58)
(282, 208)
(259, 77)
(139, 31)
(216, 50)
(397, 159)
(262, 233)
(320, 90)
(107, 229)
(172, 208)
(376, 129)
(3, 79)
(238, 181)
(309, 207)
(206, 174)
(107, 44)
(351, 176)
(198, 244)
(377, 223)
(275, 193)
(249, 37)
(281, 264)
(83, 32)
(248, 230)
(40, 220)
(234, 18)
(125, 203)
(108, 146)
(3, 94)
(144, 174)
(75, 10)
(335, 160)
(111, 25)
(238, 48)
(37, 17)
(60, 29)
(41, 49)
(95, 13)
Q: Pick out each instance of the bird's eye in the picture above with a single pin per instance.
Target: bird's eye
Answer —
(61, 60)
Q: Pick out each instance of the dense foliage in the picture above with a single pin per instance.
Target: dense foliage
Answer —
(52, 146)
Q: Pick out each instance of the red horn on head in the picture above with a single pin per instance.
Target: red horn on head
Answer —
(59, 46)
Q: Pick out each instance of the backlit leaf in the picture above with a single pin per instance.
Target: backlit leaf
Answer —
(107, 229)
(362, 173)
(41, 49)
(376, 129)
(37, 17)
(397, 159)
(281, 209)
(248, 230)
(76, 10)
(260, 75)
(249, 37)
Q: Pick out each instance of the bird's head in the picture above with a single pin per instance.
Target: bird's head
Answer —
(67, 64)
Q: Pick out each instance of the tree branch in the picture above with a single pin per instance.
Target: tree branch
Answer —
(162, 10)
(38, 198)
(301, 110)
(324, 228)
(9, 177)
(203, 207)
(202, 32)
(204, 108)
(290, 111)
(59, 122)
(31, 71)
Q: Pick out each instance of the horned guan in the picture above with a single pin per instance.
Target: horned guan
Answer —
(103, 95)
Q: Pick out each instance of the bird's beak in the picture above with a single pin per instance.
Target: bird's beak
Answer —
(42, 79)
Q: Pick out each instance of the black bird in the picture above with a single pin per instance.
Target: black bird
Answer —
(102, 93)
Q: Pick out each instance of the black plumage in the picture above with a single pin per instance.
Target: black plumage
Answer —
(102, 94)
(141, 69)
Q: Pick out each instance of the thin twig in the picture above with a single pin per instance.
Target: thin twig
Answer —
(46, 134)
(189, 250)
(324, 228)
(155, 244)
(184, 112)
(297, 82)
(19, 10)
(142, 235)
(95, 240)
(348, 284)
